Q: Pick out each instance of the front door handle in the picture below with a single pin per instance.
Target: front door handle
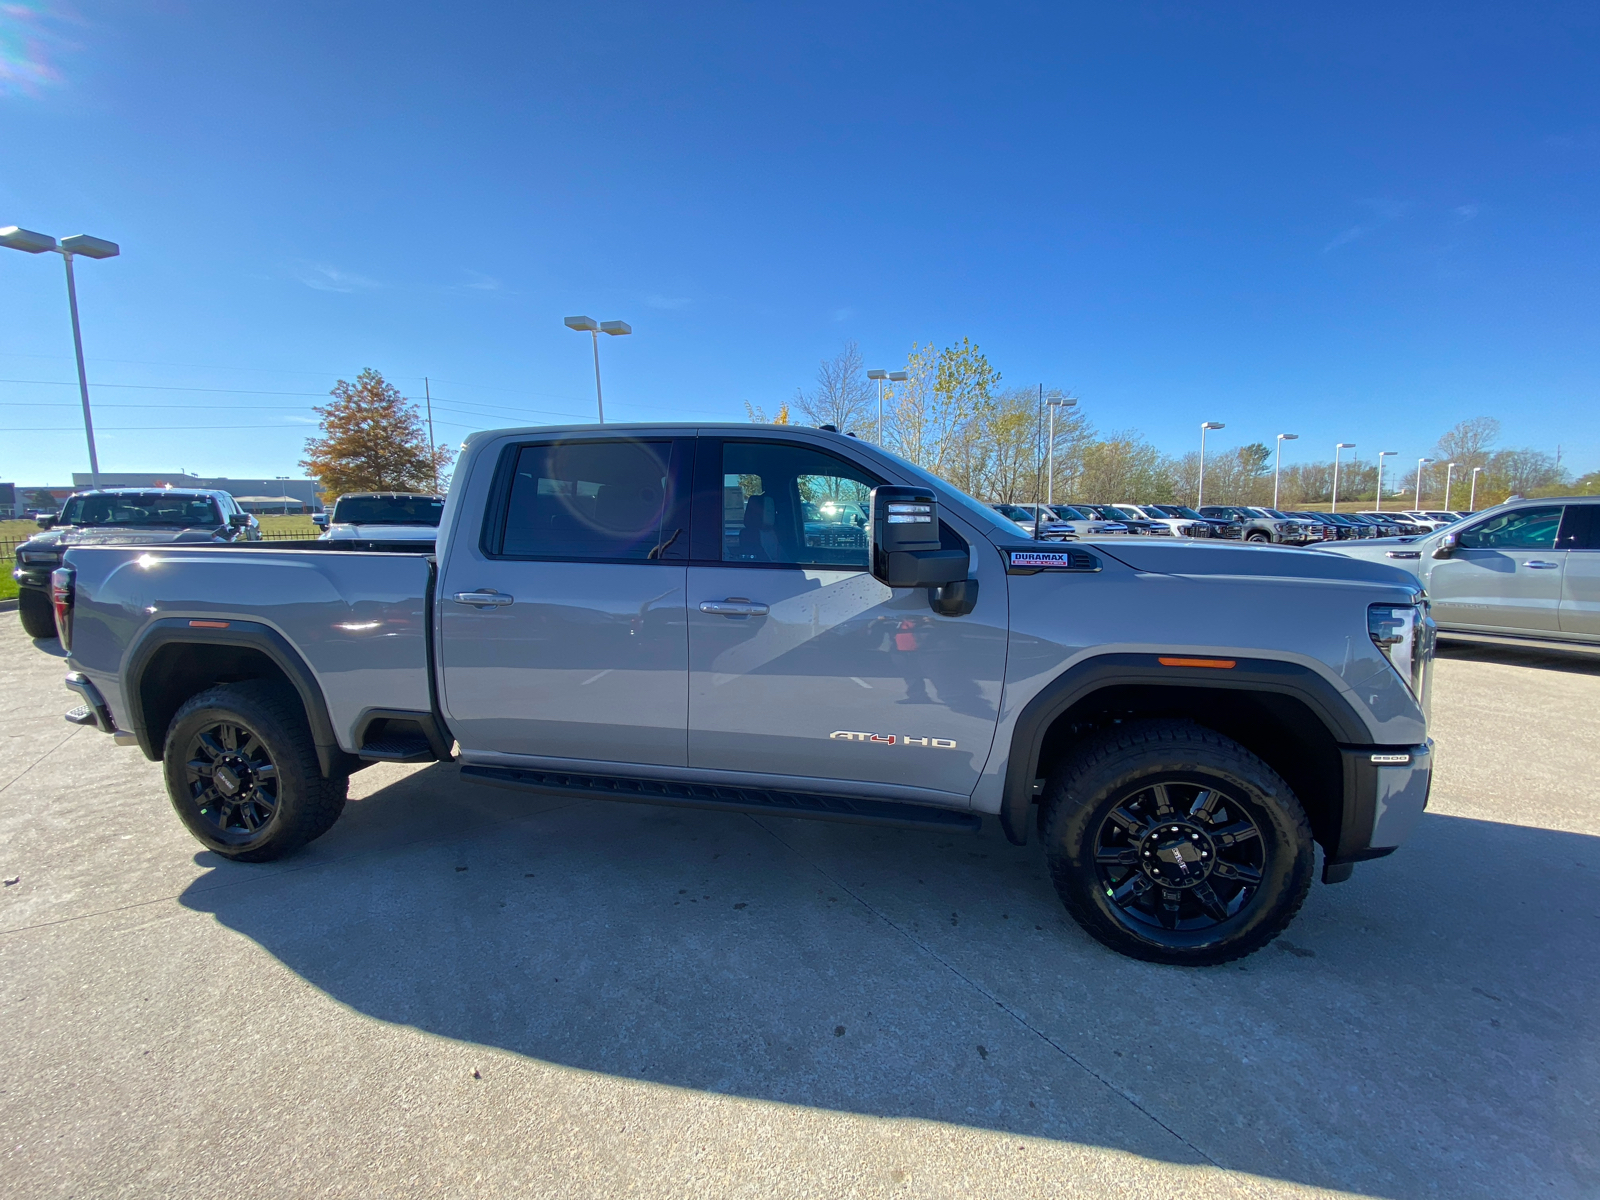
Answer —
(486, 598)
(733, 607)
(1538, 564)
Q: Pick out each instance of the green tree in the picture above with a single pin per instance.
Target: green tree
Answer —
(373, 440)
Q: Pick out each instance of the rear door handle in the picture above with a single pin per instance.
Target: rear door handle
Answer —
(1541, 565)
(488, 598)
(733, 608)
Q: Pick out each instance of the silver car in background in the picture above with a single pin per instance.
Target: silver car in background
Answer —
(383, 516)
(1526, 572)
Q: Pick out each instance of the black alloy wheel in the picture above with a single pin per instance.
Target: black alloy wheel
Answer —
(232, 780)
(1179, 855)
(243, 773)
(1172, 843)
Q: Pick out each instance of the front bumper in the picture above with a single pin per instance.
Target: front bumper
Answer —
(1385, 793)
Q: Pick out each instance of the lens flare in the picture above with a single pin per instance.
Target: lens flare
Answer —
(25, 41)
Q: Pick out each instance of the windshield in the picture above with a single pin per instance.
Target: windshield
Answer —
(1440, 516)
(1123, 514)
(1067, 513)
(1178, 510)
(1014, 512)
(388, 510)
(135, 510)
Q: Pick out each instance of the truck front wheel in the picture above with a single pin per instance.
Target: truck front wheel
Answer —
(1171, 843)
(38, 617)
(242, 772)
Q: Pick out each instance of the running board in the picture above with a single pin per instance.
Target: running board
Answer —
(729, 799)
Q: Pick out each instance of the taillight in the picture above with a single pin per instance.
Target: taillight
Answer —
(61, 580)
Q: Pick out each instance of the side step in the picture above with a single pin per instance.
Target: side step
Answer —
(728, 799)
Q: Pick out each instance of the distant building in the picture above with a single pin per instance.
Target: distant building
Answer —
(256, 495)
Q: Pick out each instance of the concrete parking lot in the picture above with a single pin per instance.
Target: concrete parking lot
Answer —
(465, 991)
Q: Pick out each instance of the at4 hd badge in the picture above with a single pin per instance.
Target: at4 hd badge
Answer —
(890, 739)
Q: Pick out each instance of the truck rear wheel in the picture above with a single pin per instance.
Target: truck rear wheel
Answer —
(242, 772)
(1171, 843)
(38, 617)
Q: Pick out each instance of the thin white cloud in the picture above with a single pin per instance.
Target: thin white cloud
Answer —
(477, 281)
(843, 314)
(1383, 213)
(670, 303)
(303, 420)
(324, 278)
(1466, 212)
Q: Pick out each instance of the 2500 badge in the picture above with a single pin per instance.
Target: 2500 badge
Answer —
(889, 739)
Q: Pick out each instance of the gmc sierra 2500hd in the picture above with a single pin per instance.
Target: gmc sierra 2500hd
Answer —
(786, 621)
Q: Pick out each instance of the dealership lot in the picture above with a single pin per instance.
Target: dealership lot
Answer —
(460, 988)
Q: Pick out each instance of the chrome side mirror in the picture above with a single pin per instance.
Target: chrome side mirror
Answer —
(1447, 545)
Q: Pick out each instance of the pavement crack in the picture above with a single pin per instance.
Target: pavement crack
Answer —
(988, 994)
(71, 733)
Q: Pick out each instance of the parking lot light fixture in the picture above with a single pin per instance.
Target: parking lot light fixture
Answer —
(1421, 462)
(1200, 486)
(1338, 446)
(880, 376)
(1050, 481)
(1382, 454)
(1278, 463)
(594, 329)
(1449, 470)
(29, 242)
(1472, 500)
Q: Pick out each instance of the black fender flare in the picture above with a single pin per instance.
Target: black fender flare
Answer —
(1111, 670)
(215, 632)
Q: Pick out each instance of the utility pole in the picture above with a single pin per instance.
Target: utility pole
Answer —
(433, 449)
(1338, 446)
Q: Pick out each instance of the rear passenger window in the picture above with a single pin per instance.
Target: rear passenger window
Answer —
(1521, 529)
(1580, 528)
(593, 500)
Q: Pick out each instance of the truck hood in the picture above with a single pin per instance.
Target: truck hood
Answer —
(90, 535)
(1245, 559)
(383, 533)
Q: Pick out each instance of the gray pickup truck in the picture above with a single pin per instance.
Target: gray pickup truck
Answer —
(664, 614)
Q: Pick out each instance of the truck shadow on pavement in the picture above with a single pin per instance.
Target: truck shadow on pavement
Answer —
(1577, 662)
(1425, 1029)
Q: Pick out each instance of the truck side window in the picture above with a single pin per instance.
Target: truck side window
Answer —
(1521, 529)
(1580, 528)
(790, 504)
(591, 500)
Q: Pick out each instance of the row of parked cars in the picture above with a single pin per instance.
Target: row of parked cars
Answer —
(1234, 522)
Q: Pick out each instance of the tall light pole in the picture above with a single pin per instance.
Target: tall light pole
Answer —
(1421, 462)
(1050, 482)
(593, 329)
(1338, 446)
(29, 242)
(1382, 454)
(1449, 470)
(1200, 488)
(1472, 500)
(1282, 438)
(880, 376)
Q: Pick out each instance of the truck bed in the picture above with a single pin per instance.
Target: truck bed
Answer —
(356, 618)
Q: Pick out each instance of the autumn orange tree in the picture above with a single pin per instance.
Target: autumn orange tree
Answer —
(373, 440)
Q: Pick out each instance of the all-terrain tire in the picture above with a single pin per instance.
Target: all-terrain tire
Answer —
(242, 772)
(1175, 888)
(38, 615)
(1257, 536)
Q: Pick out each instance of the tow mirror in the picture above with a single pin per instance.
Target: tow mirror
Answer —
(45, 521)
(1447, 545)
(904, 534)
(238, 520)
(320, 520)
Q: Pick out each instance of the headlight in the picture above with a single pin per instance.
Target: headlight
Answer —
(1282, 526)
(1405, 634)
(41, 556)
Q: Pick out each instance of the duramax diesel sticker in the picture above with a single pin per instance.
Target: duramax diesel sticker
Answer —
(890, 739)
(1029, 561)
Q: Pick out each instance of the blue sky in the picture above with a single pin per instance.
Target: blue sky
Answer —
(1356, 223)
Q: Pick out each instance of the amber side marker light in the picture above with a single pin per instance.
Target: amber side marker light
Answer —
(224, 625)
(1221, 664)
